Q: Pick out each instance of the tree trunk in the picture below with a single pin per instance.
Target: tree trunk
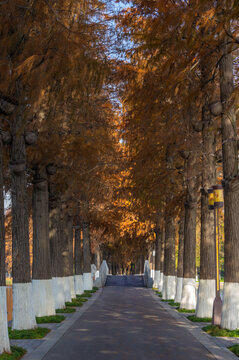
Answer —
(162, 243)
(169, 284)
(71, 259)
(157, 258)
(230, 315)
(41, 270)
(87, 258)
(179, 285)
(78, 260)
(23, 315)
(4, 339)
(65, 254)
(188, 300)
(55, 244)
(206, 292)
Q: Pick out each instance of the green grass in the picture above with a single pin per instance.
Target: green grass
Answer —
(95, 288)
(37, 333)
(193, 318)
(50, 319)
(90, 291)
(80, 298)
(67, 310)
(234, 349)
(185, 311)
(217, 331)
(86, 294)
(172, 303)
(75, 302)
(17, 353)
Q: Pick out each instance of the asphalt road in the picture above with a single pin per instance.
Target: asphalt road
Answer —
(125, 323)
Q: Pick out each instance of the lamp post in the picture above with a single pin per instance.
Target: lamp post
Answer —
(215, 201)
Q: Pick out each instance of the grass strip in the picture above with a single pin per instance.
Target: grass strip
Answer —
(37, 333)
(193, 318)
(86, 294)
(67, 310)
(17, 353)
(90, 291)
(172, 303)
(185, 311)
(80, 298)
(234, 349)
(217, 331)
(50, 319)
(76, 302)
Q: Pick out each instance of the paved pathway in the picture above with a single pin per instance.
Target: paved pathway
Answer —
(125, 323)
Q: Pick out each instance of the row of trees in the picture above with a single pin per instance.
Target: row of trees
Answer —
(58, 151)
(179, 94)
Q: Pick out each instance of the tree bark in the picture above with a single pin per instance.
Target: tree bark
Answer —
(2, 224)
(162, 242)
(207, 253)
(180, 248)
(54, 231)
(64, 248)
(70, 244)
(78, 251)
(169, 247)
(41, 268)
(157, 249)
(20, 231)
(230, 165)
(86, 247)
(189, 259)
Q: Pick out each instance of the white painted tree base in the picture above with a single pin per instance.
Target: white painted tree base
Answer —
(104, 271)
(169, 287)
(205, 298)
(79, 284)
(58, 293)
(188, 300)
(230, 307)
(72, 286)
(43, 300)
(23, 313)
(87, 281)
(160, 286)
(179, 289)
(156, 279)
(67, 288)
(4, 339)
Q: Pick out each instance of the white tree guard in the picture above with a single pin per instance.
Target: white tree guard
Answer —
(205, 298)
(93, 272)
(104, 271)
(87, 281)
(230, 308)
(169, 287)
(156, 279)
(43, 300)
(72, 286)
(66, 288)
(179, 289)
(58, 292)
(4, 339)
(23, 312)
(79, 284)
(188, 300)
(160, 287)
